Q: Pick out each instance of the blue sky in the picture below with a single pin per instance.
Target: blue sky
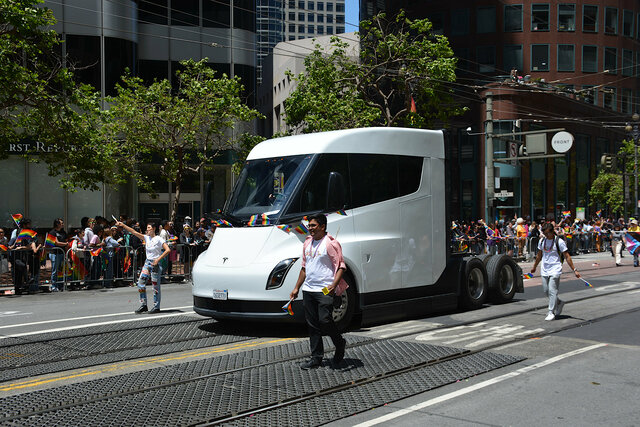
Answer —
(352, 8)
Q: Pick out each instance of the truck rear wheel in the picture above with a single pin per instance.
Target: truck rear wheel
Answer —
(344, 306)
(502, 274)
(474, 286)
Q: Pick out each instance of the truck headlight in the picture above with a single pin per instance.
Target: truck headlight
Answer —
(276, 278)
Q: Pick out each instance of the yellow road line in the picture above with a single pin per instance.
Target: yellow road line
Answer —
(137, 363)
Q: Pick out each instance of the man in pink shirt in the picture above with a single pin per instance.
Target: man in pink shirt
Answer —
(322, 267)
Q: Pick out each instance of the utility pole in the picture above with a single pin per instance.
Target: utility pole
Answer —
(635, 134)
(489, 158)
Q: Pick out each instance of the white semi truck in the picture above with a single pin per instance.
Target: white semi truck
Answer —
(385, 195)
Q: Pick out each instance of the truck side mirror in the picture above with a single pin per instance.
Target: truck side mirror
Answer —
(335, 192)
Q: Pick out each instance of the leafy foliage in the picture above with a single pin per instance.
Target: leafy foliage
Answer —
(174, 130)
(606, 190)
(400, 59)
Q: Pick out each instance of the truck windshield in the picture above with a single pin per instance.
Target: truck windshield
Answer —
(265, 186)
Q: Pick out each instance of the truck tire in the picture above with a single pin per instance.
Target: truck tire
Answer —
(344, 306)
(485, 258)
(503, 275)
(474, 284)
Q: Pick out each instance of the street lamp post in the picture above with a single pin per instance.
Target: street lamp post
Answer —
(635, 134)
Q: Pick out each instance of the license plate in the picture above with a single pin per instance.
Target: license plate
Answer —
(221, 294)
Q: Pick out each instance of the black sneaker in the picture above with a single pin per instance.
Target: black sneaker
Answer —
(154, 310)
(142, 309)
(311, 364)
(338, 356)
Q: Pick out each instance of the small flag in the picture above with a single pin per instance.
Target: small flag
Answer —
(50, 241)
(413, 107)
(527, 276)
(342, 212)
(301, 229)
(566, 214)
(43, 256)
(96, 252)
(3, 248)
(284, 227)
(223, 222)
(287, 307)
(16, 218)
(587, 284)
(173, 239)
(599, 213)
(127, 261)
(77, 265)
(632, 240)
(26, 234)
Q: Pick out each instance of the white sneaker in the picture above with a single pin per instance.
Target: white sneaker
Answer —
(550, 316)
(559, 307)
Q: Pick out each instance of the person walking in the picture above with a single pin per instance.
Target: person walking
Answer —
(551, 250)
(56, 253)
(633, 228)
(616, 242)
(322, 267)
(156, 249)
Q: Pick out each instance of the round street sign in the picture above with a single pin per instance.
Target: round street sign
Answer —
(562, 142)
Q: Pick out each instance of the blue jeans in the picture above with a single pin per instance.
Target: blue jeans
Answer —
(150, 273)
(551, 286)
(56, 265)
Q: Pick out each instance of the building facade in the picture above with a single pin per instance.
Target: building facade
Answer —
(548, 65)
(148, 37)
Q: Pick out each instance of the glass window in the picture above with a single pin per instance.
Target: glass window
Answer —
(329, 7)
(539, 57)
(512, 58)
(329, 30)
(627, 23)
(609, 98)
(626, 99)
(611, 60)
(118, 54)
(539, 17)
(301, 28)
(460, 22)
(216, 14)
(152, 11)
(339, 29)
(627, 62)
(244, 15)
(311, 17)
(590, 19)
(149, 70)
(340, 7)
(320, 29)
(566, 17)
(301, 5)
(320, 19)
(583, 148)
(589, 94)
(301, 16)
(46, 198)
(566, 57)
(611, 20)
(292, 28)
(409, 174)
(374, 178)
(339, 19)
(311, 5)
(12, 190)
(310, 29)
(292, 16)
(185, 12)
(329, 19)
(247, 74)
(513, 17)
(486, 20)
(590, 59)
(84, 53)
(486, 58)
(292, 37)
(320, 5)
(292, 4)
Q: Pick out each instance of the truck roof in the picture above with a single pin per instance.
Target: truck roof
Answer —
(375, 140)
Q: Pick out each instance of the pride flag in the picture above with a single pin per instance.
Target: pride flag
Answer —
(527, 276)
(301, 229)
(26, 234)
(599, 213)
(17, 218)
(96, 252)
(632, 239)
(587, 284)
(127, 261)
(342, 212)
(284, 227)
(50, 241)
(261, 219)
(287, 307)
(77, 266)
(566, 214)
(3, 248)
(223, 222)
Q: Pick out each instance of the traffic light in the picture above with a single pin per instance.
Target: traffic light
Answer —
(522, 150)
(607, 161)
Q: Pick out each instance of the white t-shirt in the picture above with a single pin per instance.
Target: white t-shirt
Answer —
(551, 265)
(318, 267)
(153, 246)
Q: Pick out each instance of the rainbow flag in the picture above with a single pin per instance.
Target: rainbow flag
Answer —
(287, 307)
(173, 239)
(17, 218)
(599, 213)
(77, 265)
(566, 214)
(301, 229)
(527, 276)
(50, 241)
(261, 219)
(3, 248)
(253, 220)
(587, 284)
(284, 227)
(223, 222)
(96, 252)
(26, 234)
(127, 261)
(342, 212)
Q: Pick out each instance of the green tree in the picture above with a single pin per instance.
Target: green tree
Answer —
(174, 130)
(606, 190)
(400, 60)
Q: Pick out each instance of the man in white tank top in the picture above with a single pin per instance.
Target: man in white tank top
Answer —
(322, 267)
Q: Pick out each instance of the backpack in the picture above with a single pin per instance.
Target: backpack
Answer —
(556, 240)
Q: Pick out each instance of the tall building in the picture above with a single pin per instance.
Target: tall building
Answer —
(575, 66)
(270, 23)
(149, 37)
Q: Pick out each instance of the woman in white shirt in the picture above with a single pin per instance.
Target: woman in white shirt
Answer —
(156, 249)
(549, 249)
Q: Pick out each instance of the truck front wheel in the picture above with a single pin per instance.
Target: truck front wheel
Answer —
(474, 286)
(344, 306)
